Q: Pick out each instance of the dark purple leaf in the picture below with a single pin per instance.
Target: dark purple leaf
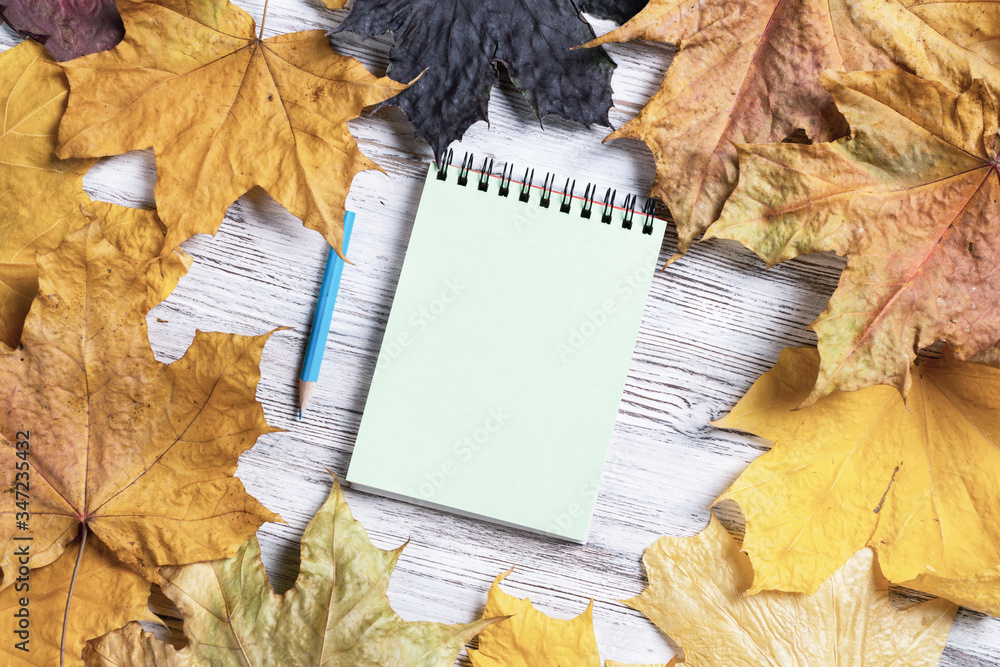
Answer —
(68, 28)
(460, 42)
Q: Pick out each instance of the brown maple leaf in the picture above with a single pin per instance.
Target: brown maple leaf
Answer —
(745, 72)
(911, 199)
(142, 452)
(224, 111)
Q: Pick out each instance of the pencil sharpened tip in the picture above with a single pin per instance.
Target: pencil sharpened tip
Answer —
(306, 389)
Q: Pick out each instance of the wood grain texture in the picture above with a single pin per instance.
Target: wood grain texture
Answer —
(713, 323)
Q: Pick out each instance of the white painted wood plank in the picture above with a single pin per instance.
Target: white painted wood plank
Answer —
(713, 323)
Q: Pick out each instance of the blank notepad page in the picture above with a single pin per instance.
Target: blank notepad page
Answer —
(504, 359)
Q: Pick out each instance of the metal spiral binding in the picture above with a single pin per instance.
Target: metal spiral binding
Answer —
(484, 175)
(565, 197)
(609, 206)
(463, 173)
(547, 190)
(505, 180)
(649, 209)
(526, 185)
(630, 201)
(588, 201)
(443, 168)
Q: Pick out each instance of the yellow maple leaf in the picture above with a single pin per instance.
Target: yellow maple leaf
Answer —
(42, 198)
(224, 111)
(106, 595)
(142, 453)
(529, 638)
(697, 595)
(746, 71)
(915, 481)
(139, 234)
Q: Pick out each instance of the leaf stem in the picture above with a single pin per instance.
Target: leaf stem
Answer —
(262, 20)
(69, 596)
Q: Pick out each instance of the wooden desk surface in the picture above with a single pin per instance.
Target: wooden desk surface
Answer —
(713, 323)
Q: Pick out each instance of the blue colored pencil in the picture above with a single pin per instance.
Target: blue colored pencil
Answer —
(321, 319)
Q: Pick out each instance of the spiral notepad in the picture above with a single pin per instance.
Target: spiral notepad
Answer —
(504, 359)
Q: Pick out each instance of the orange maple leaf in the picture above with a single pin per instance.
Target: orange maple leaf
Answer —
(746, 71)
(911, 199)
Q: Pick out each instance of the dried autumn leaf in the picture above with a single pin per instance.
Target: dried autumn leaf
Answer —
(912, 200)
(42, 198)
(990, 357)
(696, 595)
(224, 111)
(139, 234)
(745, 72)
(458, 46)
(106, 595)
(979, 591)
(144, 452)
(915, 481)
(130, 646)
(337, 612)
(529, 638)
(68, 28)
(953, 43)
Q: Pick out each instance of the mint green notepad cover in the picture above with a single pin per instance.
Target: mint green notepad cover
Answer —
(504, 359)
